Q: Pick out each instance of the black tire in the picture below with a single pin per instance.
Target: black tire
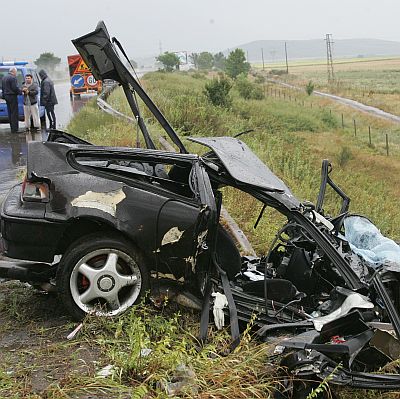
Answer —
(92, 253)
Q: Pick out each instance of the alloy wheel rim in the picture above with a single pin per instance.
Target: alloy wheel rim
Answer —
(105, 282)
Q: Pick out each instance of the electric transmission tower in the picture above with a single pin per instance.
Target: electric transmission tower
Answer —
(329, 58)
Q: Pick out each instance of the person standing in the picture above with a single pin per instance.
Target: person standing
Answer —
(10, 94)
(48, 97)
(30, 91)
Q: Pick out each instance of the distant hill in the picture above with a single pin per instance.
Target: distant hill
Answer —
(274, 50)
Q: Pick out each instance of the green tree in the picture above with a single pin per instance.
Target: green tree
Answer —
(169, 60)
(217, 91)
(205, 60)
(236, 64)
(220, 61)
(194, 59)
(47, 61)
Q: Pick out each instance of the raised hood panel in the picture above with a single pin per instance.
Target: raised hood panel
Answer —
(99, 52)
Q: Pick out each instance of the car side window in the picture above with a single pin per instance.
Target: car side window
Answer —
(3, 73)
(20, 77)
(168, 175)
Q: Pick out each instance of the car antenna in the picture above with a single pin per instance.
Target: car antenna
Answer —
(245, 132)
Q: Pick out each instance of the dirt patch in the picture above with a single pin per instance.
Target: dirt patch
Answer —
(35, 356)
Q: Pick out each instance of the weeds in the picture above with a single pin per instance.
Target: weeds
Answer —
(344, 156)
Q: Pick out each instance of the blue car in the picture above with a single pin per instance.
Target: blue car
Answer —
(22, 70)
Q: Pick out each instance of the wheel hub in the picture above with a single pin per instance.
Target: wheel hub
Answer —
(106, 283)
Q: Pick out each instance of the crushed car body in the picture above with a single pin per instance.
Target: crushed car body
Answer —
(99, 222)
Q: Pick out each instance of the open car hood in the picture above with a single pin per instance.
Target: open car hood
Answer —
(99, 52)
(242, 164)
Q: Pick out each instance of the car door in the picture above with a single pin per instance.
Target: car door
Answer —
(183, 228)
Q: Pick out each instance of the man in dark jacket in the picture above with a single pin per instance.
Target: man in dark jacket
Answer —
(10, 94)
(48, 97)
(30, 89)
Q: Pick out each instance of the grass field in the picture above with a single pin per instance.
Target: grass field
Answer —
(36, 360)
(374, 82)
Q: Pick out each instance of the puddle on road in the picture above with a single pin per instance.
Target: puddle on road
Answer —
(13, 148)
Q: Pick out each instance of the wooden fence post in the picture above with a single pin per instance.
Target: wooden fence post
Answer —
(355, 128)
(369, 135)
(387, 145)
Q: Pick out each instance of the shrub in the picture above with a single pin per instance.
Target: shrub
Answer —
(328, 119)
(197, 75)
(247, 89)
(310, 88)
(278, 72)
(259, 79)
(217, 91)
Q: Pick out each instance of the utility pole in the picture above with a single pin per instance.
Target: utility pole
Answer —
(262, 56)
(287, 65)
(329, 58)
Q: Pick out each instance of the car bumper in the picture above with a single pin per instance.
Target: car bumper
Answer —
(25, 232)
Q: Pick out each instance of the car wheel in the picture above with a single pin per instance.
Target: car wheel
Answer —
(102, 275)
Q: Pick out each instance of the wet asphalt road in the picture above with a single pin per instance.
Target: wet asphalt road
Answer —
(13, 147)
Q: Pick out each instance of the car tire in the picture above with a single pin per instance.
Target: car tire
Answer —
(101, 274)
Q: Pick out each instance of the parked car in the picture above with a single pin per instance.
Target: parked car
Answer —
(117, 215)
(22, 69)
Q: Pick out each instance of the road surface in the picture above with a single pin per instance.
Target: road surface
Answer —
(13, 147)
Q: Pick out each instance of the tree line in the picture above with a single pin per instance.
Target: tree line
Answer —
(233, 65)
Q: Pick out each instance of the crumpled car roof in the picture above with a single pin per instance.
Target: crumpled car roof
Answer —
(242, 164)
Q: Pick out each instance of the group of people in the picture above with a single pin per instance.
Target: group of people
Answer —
(30, 90)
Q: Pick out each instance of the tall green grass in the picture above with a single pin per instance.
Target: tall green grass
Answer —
(291, 139)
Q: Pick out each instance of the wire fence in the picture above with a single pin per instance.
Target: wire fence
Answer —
(373, 136)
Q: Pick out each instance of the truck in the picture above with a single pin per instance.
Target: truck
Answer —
(82, 80)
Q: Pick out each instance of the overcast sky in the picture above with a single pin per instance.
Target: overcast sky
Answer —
(30, 27)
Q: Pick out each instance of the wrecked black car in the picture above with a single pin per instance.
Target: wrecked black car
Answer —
(99, 222)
